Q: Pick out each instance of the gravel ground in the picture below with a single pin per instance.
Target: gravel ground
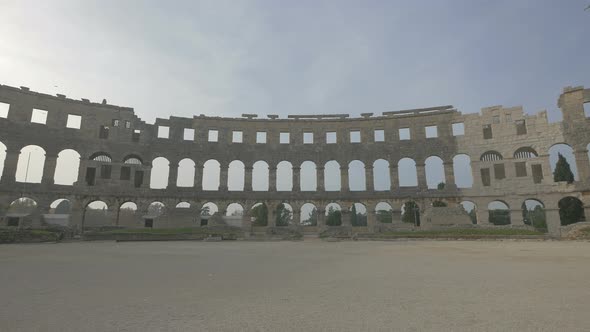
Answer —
(305, 286)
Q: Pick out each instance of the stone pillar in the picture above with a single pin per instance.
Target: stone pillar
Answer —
(82, 173)
(546, 167)
(198, 180)
(553, 222)
(272, 178)
(344, 186)
(246, 223)
(583, 164)
(421, 172)
(76, 213)
(49, 169)
(223, 178)
(396, 216)
(248, 178)
(371, 220)
(393, 177)
(272, 215)
(321, 218)
(296, 217)
(482, 216)
(345, 218)
(449, 176)
(476, 174)
(516, 217)
(296, 178)
(320, 178)
(10, 166)
(172, 175)
(369, 178)
(147, 177)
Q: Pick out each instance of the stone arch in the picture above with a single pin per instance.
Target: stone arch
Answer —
(236, 175)
(133, 159)
(160, 173)
(571, 210)
(499, 213)
(127, 213)
(357, 179)
(67, 167)
(471, 209)
(260, 176)
(209, 209)
(259, 214)
(533, 213)
(333, 214)
(186, 173)
(408, 174)
(463, 171)
(21, 207)
(308, 178)
(61, 206)
(96, 214)
(284, 214)
(102, 157)
(308, 215)
(381, 175)
(183, 205)
(358, 215)
(155, 209)
(384, 212)
(30, 164)
(411, 213)
(284, 176)
(435, 172)
(234, 210)
(568, 152)
(491, 155)
(525, 152)
(332, 176)
(211, 175)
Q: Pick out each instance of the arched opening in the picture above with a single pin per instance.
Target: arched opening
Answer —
(383, 212)
(471, 210)
(358, 215)
(160, 173)
(236, 176)
(525, 153)
(96, 214)
(66, 167)
(568, 153)
(155, 209)
(20, 207)
(462, 171)
(571, 210)
(183, 205)
(60, 206)
(435, 172)
(491, 156)
(308, 215)
(132, 160)
(357, 179)
(284, 214)
(127, 214)
(260, 176)
(332, 176)
(411, 213)
(308, 176)
(30, 164)
(234, 210)
(533, 213)
(259, 215)
(186, 173)
(498, 213)
(207, 211)
(211, 175)
(2, 158)
(284, 176)
(408, 175)
(333, 215)
(381, 175)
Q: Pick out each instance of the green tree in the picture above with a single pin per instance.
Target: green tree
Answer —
(473, 216)
(353, 216)
(441, 186)
(411, 213)
(562, 171)
(283, 215)
(571, 210)
(384, 216)
(334, 217)
(312, 219)
(260, 215)
(499, 217)
(439, 204)
(205, 210)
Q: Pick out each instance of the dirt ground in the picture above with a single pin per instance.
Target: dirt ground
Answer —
(305, 286)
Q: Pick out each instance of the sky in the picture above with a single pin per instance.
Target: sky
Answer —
(225, 58)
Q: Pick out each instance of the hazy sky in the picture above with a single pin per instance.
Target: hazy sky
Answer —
(283, 57)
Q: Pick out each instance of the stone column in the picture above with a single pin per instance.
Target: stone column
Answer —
(10, 166)
(371, 220)
(546, 167)
(421, 172)
(482, 216)
(583, 165)
(272, 215)
(246, 223)
(344, 186)
(49, 169)
(345, 218)
(321, 182)
(272, 178)
(516, 217)
(76, 213)
(449, 176)
(476, 174)
(393, 177)
(198, 180)
(223, 178)
(296, 217)
(147, 177)
(553, 222)
(321, 218)
(396, 216)
(248, 178)
(369, 178)
(296, 178)
(172, 175)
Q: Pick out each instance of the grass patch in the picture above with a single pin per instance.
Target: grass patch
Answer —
(466, 232)
(28, 236)
(166, 231)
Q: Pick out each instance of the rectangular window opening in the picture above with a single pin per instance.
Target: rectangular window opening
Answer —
(520, 168)
(105, 171)
(487, 131)
(135, 135)
(379, 135)
(331, 137)
(458, 129)
(307, 138)
(103, 132)
(125, 173)
(90, 176)
(499, 172)
(496, 119)
(237, 136)
(355, 136)
(485, 177)
(520, 127)
(537, 173)
(4, 107)
(586, 110)
(163, 131)
(431, 131)
(127, 124)
(404, 134)
(138, 180)
(261, 137)
(115, 123)
(189, 134)
(74, 121)
(213, 135)
(285, 138)
(39, 116)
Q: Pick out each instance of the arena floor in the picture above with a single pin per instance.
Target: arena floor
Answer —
(305, 286)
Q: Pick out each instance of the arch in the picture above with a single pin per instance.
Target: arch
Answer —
(30, 164)
(211, 175)
(234, 210)
(284, 214)
(357, 179)
(130, 206)
(2, 158)
(260, 176)
(186, 173)
(160, 173)
(383, 211)
(21, 207)
(67, 167)
(471, 209)
(259, 215)
(127, 214)
(571, 210)
(381, 175)
(183, 205)
(411, 213)
(407, 172)
(96, 214)
(102, 157)
(332, 176)
(525, 152)
(333, 214)
(308, 176)
(567, 152)
(284, 176)
(209, 209)
(491, 156)
(435, 172)
(155, 209)
(533, 213)
(462, 171)
(133, 159)
(308, 215)
(358, 215)
(60, 206)
(236, 175)
(499, 213)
